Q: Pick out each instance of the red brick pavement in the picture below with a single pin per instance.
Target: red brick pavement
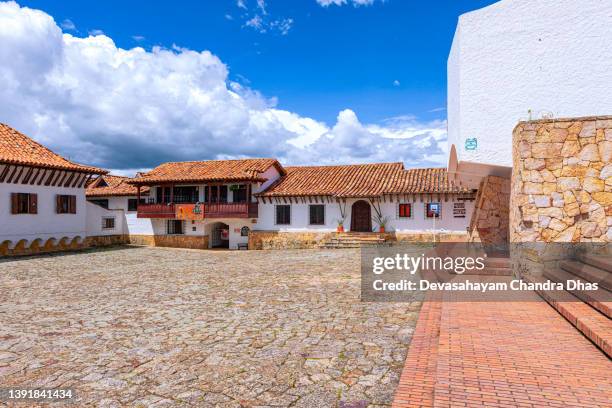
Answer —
(501, 354)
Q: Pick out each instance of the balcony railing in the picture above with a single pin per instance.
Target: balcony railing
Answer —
(211, 210)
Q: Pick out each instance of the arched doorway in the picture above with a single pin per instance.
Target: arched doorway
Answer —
(361, 217)
(219, 235)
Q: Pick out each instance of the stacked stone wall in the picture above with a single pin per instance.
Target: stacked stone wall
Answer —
(562, 181)
(173, 241)
(489, 224)
(286, 240)
(561, 195)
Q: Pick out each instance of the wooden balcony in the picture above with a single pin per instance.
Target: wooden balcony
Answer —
(211, 210)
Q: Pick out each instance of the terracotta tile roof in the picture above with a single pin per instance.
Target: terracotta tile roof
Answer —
(428, 180)
(109, 185)
(211, 170)
(360, 180)
(17, 148)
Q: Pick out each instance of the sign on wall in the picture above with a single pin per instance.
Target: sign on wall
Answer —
(471, 143)
(459, 210)
(189, 212)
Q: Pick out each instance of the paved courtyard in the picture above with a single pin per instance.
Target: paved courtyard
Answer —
(169, 327)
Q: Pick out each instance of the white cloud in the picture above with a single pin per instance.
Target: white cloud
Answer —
(132, 108)
(356, 3)
(396, 83)
(260, 21)
(256, 22)
(138, 38)
(283, 26)
(68, 25)
(261, 4)
(95, 31)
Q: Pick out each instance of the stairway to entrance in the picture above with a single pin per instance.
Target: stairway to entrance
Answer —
(590, 311)
(355, 240)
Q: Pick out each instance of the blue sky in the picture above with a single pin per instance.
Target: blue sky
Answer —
(382, 61)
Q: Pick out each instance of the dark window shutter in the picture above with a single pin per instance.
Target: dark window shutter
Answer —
(72, 204)
(33, 203)
(58, 204)
(14, 203)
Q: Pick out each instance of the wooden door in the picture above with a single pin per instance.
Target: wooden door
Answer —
(361, 217)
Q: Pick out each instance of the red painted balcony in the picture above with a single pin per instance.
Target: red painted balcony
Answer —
(211, 210)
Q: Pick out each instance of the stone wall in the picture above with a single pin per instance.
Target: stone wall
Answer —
(309, 240)
(562, 181)
(286, 240)
(490, 219)
(63, 245)
(561, 200)
(172, 241)
(428, 237)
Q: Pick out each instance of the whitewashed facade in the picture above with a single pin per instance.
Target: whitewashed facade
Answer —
(515, 60)
(450, 221)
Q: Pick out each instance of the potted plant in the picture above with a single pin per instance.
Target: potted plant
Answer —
(382, 223)
(340, 227)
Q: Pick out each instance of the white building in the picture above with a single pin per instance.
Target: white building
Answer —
(516, 60)
(362, 197)
(206, 204)
(219, 204)
(109, 193)
(42, 196)
(54, 204)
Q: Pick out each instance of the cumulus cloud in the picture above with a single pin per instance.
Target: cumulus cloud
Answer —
(356, 3)
(126, 109)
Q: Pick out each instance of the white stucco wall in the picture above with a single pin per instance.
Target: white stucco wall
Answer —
(550, 56)
(131, 223)
(417, 223)
(46, 223)
(95, 215)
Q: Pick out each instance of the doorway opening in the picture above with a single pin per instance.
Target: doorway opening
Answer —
(361, 216)
(219, 236)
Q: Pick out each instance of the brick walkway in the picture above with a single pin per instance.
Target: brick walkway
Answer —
(501, 354)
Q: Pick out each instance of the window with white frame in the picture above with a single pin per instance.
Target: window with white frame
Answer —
(404, 210)
(283, 214)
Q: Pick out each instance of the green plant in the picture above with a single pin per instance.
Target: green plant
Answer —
(381, 220)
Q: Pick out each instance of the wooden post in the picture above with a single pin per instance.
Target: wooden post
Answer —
(163, 197)
(171, 193)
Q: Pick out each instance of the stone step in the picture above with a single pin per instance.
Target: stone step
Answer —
(498, 262)
(353, 245)
(355, 239)
(592, 324)
(490, 271)
(598, 299)
(588, 273)
(599, 261)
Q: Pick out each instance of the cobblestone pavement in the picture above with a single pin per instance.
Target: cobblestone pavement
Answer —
(169, 327)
